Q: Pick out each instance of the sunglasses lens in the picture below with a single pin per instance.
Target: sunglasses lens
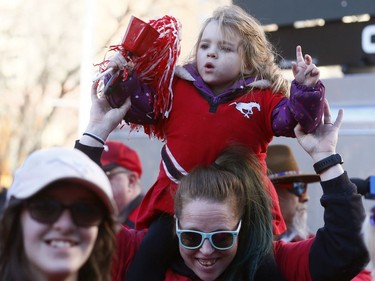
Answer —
(86, 214)
(222, 240)
(299, 188)
(49, 211)
(190, 239)
(45, 211)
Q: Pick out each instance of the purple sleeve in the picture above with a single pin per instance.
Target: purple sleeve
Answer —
(141, 95)
(305, 106)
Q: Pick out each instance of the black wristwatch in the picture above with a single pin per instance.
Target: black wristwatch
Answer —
(328, 162)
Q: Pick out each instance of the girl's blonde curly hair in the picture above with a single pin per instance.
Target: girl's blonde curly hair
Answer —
(256, 50)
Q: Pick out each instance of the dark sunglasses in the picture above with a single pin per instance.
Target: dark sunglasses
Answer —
(297, 188)
(220, 240)
(84, 214)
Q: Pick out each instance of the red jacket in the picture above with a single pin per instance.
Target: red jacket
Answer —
(197, 131)
(200, 125)
(364, 275)
(292, 258)
(337, 252)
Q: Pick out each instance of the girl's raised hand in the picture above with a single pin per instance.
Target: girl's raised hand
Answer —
(103, 118)
(117, 61)
(304, 71)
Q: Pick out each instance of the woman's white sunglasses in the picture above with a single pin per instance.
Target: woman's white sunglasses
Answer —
(220, 240)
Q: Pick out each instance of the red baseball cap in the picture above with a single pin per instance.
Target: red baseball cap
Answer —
(118, 154)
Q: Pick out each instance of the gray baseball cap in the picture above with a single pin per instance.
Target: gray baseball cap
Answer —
(45, 166)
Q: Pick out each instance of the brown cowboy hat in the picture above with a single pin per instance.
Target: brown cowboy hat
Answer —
(283, 168)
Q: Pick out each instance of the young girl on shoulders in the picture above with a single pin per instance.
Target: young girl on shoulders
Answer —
(230, 92)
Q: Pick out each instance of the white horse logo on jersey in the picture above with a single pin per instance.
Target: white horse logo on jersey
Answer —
(246, 108)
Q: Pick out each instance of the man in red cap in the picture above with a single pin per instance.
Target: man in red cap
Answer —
(124, 170)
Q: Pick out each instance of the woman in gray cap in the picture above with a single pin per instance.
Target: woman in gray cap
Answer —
(59, 220)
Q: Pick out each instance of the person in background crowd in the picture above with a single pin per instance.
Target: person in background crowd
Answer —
(124, 170)
(291, 187)
(59, 221)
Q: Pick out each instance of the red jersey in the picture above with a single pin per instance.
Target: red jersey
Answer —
(198, 130)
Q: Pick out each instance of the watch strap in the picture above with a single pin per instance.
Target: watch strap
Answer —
(328, 162)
